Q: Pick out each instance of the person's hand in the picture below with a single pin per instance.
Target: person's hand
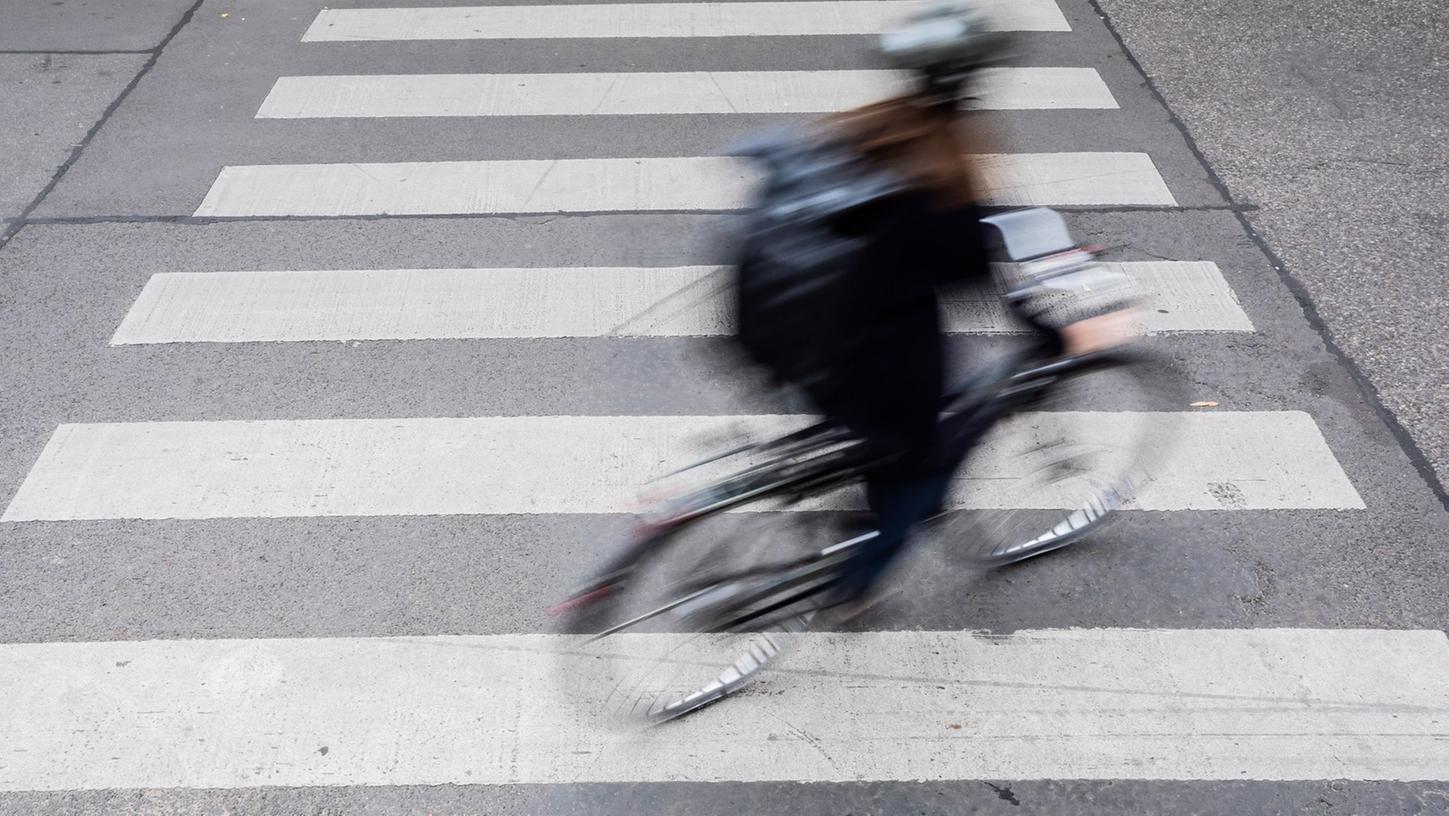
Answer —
(1099, 333)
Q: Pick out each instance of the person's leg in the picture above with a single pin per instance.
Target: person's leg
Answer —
(891, 397)
(898, 502)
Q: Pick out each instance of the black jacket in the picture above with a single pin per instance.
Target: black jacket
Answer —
(891, 378)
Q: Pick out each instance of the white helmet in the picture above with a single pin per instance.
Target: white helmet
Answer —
(945, 43)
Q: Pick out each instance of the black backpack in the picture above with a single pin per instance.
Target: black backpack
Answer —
(798, 251)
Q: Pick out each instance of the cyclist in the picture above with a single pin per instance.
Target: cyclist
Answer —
(859, 225)
(885, 378)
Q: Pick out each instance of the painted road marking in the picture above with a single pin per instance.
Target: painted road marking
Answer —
(419, 304)
(763, 19)
(1265, 704)
(641, 184)
(595, 464)
(395, 95)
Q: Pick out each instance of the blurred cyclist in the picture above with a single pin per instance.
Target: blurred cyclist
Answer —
(891, 194)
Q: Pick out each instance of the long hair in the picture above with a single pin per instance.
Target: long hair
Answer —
(928, 145)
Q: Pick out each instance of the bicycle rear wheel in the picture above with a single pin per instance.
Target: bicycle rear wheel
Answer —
(699, 617)
(1049, 475)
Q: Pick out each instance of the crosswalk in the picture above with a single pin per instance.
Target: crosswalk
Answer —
(685, 92)
(634, 20)
(421, 304)
(443, 708)
(688, 184)
(514, 465)
(1083, 704)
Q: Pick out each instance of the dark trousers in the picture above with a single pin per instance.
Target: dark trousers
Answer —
(905, 492)
(897, 504)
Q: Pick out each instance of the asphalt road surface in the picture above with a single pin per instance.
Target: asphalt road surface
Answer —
(334, 340)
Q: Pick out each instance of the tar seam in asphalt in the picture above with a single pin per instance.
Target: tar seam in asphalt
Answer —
(18, 223)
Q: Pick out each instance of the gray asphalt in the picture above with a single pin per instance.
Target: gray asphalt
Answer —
(51, 26)
(120, 213)
(50, 102)
(1000, 797)
(1331, 120)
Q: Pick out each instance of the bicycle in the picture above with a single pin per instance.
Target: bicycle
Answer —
(686, 616)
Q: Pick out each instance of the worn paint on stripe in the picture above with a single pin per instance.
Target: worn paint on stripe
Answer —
(1266, 704)
(614, 185)
(417, 304)
(533, 464)
(422, 188)
(762, 19)
(689, 92)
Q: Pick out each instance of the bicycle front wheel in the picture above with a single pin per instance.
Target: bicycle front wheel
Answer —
(1050, 475)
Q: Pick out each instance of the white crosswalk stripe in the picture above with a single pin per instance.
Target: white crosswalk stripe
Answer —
(747, 19)
(1249, 460)
(688, 92)
(418, 304)
(1085, 704)
(627, 185)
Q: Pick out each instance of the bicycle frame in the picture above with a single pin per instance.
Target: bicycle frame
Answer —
(820, 457)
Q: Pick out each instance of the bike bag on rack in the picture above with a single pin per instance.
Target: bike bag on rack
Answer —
(794, 255)
(1055, 281)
